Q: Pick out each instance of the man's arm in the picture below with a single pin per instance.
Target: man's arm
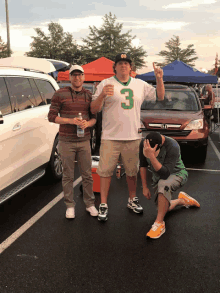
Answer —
(61, 120)
(96, 105)
(160, 89)
(84, 124)
(169, 163)
(155, 163)
(53, 115)
(143, 174)
(159, 80)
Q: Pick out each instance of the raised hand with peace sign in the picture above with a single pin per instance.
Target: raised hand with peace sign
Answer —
(159, 79)
(158, 71)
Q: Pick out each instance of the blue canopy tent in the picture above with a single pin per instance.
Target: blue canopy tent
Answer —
(179, 72)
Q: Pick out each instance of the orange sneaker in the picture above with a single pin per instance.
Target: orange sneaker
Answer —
(156, 230)
(188, 200)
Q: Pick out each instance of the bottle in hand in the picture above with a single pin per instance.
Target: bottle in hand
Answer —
(80, 131)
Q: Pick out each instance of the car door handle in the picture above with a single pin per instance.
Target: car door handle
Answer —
(17, 126)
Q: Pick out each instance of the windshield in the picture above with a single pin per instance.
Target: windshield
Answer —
(174, 100)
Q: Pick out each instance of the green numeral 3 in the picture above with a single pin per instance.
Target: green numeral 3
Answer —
(129, 97)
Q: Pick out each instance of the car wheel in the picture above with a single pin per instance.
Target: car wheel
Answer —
(55, 169)
(201, 153)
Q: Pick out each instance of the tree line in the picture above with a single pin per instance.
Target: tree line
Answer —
(107, 41)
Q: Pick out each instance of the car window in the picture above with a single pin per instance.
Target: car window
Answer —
(5, 105)
(174, 100)
(39, 100)
(20, 89)
(46, 89)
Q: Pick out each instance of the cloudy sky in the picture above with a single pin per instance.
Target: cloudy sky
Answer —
(153, 22)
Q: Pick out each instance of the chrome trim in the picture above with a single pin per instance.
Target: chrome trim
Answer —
(21, 186)
(165, 125)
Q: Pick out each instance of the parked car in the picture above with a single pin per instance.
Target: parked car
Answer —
(179, 116)
(28, 142)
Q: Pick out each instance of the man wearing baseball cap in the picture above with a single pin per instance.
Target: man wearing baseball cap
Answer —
(120, 98)
(66, 104)
(162, 155)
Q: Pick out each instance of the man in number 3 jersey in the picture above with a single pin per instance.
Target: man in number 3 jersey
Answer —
(120, 98)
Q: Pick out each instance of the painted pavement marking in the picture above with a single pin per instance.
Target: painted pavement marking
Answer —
(5, 244)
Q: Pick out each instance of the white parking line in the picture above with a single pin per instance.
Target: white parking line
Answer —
(205, 170)
(5, 244)
(215, 148)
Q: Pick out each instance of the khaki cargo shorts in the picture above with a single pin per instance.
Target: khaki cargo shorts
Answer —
(110, 151)
(168, 186)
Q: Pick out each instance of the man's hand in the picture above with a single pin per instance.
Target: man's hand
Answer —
(84, 124)
(148, 151)
(75, 121)
(108, 90)
(158, 72)
(146, 192)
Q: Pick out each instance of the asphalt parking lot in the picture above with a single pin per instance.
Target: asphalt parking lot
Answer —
(83, 255)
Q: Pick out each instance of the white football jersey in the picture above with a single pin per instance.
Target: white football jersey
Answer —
(121, 112)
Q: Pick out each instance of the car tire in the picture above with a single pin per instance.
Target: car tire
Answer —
(54, 168)
(201, 153)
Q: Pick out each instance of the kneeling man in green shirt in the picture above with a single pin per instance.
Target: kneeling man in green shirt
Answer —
(161, 154)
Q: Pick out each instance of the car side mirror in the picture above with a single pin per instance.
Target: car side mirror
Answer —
(207, 107)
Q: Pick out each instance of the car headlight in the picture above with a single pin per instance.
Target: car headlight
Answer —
(195, 125)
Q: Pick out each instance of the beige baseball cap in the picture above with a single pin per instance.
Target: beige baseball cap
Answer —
(76, 67)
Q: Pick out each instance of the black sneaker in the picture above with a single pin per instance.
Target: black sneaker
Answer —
(134, 205)
(103, 212)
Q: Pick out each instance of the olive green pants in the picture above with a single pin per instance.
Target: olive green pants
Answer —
(70, 151)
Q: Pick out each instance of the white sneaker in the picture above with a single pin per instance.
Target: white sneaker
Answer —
(93, 211)
(70, 213)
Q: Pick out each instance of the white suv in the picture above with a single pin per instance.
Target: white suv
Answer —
(28, 141)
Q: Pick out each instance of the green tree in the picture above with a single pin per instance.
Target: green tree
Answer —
(174, 52)
(108, 41)
(57, 45)
(3, 49)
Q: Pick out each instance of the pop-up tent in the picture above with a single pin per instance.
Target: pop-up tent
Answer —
(94, 71)
(180, 72)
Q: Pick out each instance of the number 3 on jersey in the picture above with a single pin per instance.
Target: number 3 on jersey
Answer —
(129, 96)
